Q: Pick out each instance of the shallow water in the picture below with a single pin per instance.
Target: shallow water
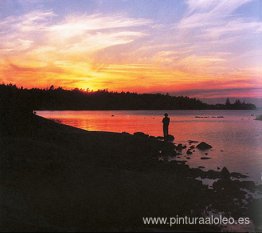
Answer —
(236, 138)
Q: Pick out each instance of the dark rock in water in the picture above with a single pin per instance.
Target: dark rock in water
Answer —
(206, 153)
(203, 146)
(205, 158)
(188, 158)
(218, 168)
(238, 175)
(191, 141)
(201, 167)
(189, 152)
(192, 147)
(179, 147)
(225, 174)
(141, 134)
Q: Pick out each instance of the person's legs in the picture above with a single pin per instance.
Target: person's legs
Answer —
(165, 130)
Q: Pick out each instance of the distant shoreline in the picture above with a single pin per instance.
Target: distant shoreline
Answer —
(163, 110)
(77, 99)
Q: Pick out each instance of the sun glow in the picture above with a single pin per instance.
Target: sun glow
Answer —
(123, 52)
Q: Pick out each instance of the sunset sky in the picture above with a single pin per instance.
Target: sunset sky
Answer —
(200, 48)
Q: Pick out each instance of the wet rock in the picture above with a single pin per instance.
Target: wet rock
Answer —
(225, 174)
(205, 158)
(238, 175)
(192, 141)
(206, 153)
(201, 167)
(189, 152)
(180, 147)
(203, 146)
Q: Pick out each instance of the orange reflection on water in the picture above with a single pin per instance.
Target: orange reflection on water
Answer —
(236, 138)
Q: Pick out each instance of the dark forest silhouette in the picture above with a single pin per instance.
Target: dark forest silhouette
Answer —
(59, 99)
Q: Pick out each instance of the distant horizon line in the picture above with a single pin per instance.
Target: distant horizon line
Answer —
(243, 98)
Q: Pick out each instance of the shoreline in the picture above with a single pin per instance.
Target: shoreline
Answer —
(162, 110)
(71, 179)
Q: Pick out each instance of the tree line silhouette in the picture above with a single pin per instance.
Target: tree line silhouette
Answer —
(78, 99)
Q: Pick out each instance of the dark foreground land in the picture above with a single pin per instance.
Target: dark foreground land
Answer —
(58, 178)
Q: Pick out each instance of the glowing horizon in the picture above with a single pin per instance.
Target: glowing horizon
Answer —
(200, 48)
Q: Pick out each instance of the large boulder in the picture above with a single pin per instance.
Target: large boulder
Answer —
(203, 146)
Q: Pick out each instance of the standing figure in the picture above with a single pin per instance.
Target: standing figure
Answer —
(165, 122)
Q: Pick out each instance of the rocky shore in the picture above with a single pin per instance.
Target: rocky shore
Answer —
(58, 178)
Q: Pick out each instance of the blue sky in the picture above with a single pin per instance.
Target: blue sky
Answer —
(165, 11)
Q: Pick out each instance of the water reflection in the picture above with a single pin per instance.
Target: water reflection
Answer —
(236, 138)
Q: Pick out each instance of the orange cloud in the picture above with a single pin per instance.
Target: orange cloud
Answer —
(131, 54)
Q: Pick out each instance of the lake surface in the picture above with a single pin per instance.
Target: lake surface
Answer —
(235, 136)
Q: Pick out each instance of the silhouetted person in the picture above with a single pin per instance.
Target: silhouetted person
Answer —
(165, 122)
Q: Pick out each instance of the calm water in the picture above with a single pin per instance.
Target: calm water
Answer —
(236, 138)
